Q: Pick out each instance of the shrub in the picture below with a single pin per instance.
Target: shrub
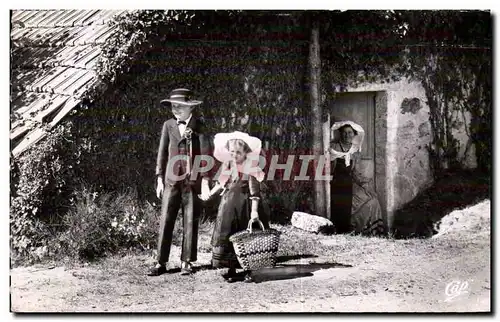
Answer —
(39, 192)
(101, 224)
(285, 197)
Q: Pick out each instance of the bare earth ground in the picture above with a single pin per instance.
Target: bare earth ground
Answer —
(333, 274)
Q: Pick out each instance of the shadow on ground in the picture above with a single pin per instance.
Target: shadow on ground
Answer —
(291, 271)
(282, 259)
(280, 272)
(279, 259)
(195, 269)
(452, 191)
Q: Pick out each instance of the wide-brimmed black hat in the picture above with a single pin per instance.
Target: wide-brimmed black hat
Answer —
(181, 96)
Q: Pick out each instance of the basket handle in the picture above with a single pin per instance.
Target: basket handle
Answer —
(251, 221)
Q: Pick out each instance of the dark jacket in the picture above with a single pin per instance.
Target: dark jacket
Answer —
(172, 144)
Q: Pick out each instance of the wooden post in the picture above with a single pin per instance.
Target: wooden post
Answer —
(326, 144)
(317, 124)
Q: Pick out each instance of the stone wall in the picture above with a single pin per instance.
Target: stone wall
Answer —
(402, 134)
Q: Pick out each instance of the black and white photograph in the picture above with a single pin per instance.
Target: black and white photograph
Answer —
(250, 161)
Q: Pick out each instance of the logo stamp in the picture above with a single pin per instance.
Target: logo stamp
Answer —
(456, 288)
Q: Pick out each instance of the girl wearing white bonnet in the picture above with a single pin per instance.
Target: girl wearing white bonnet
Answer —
(239, 184)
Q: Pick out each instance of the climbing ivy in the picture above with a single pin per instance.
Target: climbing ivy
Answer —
(250, 68)
(249, 73)
(450, 53)
(42, 179)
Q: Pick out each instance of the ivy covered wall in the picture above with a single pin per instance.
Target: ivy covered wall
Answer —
(253, 83)
(251, 71)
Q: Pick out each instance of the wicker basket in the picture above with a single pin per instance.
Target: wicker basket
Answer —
(256, 249)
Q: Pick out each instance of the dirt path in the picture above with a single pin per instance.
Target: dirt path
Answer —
(408, 277)
(343, 274)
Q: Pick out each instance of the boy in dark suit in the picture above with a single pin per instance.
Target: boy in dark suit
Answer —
(180, 178)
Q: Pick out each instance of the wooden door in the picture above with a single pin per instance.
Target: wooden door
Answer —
(358, 107)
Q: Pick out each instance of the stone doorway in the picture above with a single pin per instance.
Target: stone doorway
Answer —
(368, 109)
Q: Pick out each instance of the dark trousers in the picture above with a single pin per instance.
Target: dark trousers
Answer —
(175, 197)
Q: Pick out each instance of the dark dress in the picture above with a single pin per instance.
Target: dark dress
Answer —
(354, 202)
(341, 197)
(233, 216)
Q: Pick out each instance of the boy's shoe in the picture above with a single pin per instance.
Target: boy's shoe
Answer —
(158, 270)
(186, 268)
